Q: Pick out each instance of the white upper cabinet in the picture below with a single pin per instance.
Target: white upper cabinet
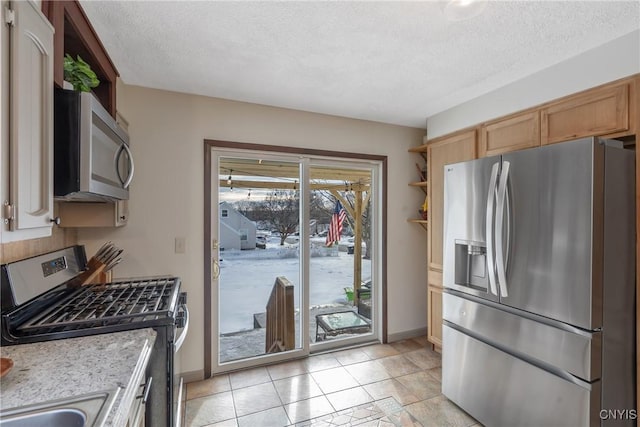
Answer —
(29, 212)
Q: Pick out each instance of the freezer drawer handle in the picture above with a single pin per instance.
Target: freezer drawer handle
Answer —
(491, 196)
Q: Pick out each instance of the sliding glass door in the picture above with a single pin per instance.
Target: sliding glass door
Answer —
(294, 240)
(341, 308)
(258, 265)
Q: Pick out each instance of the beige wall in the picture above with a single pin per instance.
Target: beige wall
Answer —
(614, 60)
(167, 131)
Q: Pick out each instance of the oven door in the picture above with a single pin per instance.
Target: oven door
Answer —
(182, 328)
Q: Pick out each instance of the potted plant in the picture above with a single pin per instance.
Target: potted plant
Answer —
(79, 74)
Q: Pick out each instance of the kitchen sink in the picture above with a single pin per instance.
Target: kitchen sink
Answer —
(51, 417)
(88, 410)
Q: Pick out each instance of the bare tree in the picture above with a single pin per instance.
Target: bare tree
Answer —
(245, 207)
(320, 207)
(282, 209)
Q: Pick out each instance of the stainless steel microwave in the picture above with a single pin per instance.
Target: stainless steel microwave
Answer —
(92, 159)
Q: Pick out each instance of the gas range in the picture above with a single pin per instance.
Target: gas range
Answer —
(41, 301)
(65, 312)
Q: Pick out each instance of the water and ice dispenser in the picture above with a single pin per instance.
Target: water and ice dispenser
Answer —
(471, 265)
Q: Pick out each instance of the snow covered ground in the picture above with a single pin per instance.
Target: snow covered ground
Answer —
(247, 277)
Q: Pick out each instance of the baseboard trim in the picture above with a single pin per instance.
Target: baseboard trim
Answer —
(405, 335)
(192, 376)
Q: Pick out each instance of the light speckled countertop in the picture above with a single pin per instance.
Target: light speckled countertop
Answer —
(76, 366)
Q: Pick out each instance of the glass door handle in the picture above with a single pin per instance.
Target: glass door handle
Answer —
(215, 269)
(215, 264)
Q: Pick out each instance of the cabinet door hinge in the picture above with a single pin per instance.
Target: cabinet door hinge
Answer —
(9, 16)
(8, 212)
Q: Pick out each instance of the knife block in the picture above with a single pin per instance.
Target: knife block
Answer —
(93, 275)
(104, 277)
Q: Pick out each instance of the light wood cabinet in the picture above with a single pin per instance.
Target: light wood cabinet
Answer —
(28, 210)
(451, 149)
(513, 133)
(597, 112)
(434, 321)
(84, 214)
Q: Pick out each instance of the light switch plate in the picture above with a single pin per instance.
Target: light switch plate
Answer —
(180, 245)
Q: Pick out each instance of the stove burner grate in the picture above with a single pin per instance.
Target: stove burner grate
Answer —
(100, 305)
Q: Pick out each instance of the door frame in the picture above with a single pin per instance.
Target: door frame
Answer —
(209, 145)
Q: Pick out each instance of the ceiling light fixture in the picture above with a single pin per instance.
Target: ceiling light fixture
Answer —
(460, 10)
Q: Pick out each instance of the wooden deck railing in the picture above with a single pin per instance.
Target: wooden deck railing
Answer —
(280, 317)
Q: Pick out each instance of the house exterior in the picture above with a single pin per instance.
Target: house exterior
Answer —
(236, 230)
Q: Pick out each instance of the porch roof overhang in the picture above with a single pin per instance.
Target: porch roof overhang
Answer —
(247, 173)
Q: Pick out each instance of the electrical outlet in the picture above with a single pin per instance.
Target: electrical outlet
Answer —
(180, 245)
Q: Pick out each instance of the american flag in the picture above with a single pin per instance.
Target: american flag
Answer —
(335, 228)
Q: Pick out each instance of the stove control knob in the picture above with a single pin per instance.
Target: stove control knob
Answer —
(182, 298)
(180, 320)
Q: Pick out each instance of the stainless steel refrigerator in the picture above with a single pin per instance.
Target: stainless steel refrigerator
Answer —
(539, 286)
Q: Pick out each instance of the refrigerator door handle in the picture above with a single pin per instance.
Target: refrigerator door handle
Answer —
(491, 197)
(499, 238)
(507, 196)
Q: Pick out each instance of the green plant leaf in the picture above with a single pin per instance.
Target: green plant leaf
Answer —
(79, 74)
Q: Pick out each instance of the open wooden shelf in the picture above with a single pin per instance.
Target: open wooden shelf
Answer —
(75, 35)
(420, 184)
(419, 149)
(422, 222)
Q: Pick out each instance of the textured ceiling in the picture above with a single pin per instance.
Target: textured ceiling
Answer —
(393, 62)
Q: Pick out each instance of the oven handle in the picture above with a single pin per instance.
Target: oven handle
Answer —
(185, 329)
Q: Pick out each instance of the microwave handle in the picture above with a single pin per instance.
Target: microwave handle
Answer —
(127, 182)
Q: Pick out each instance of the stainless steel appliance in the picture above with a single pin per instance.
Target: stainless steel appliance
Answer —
(538, 304)
(92, 158)
(37, 305)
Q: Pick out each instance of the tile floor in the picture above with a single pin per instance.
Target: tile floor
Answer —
(395, 384)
